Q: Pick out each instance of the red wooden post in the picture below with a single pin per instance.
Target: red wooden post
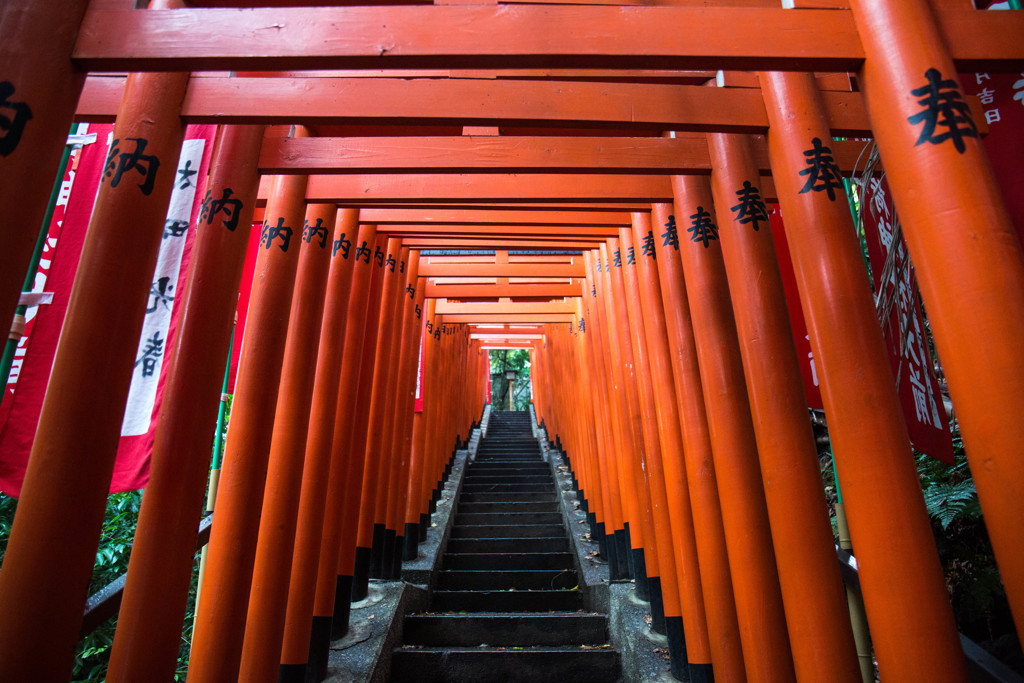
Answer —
(52, 547)
(220, 614)
(268, 596)
(318, 464)
(819, 627)
(149, 623)
(966, 258)
(904, 591)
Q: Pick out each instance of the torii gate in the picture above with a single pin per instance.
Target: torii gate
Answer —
(905, 54)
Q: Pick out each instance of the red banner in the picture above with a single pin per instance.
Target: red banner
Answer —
(808, 370)
(24, 395)
(1002, 101)
(904, 328)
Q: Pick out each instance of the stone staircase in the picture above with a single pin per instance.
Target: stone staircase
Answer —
(507, 605)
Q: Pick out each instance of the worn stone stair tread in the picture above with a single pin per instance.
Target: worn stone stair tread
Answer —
(506, 560)
(518, 629)
(506, 531)
(491, 665)
(512, 579)
(506, 601)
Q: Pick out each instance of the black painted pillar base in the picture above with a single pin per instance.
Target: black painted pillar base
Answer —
(387, 553)
(342, 606)
(643, 591)
(657, 605)
(628, 552)
(676, 647)
(394, 572)
(361, 574)
(319, 650)
(584, 504)
(424, 525)
(291, 673)
(376, 550)
(432, 508)
(602, 541)
(622, 556)
(701, 673)
(411, 546)
(612, 548)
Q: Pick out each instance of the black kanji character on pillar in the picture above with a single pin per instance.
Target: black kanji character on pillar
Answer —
(401, 267)
(600, 265)
(430, 327)
(750, 209)
(701, 228)
(378, 254)
(583, 324)
(311, 232)
(186, 174)
(362, 251)
(648, 247)
(593, 291)
(943, 105)
(617, 258)
(160, 293)
(153, 349)
(671, 235)
(411, 291)
(173, 228)
(437, 333)
(271, 232)
(119, 163)
(391, 263)
(231, 208)
(631, 256)
(419, 312)
(13, 125)
(823, 174)
(344, 245)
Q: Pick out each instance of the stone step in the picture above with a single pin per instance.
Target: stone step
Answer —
(501, 518)
(492, 665)
(522, 629)
(489, 478)
(507, 488)
(515, 579)
(508, 560)
(508, 506)
(505, 601)
(507, 531)
(507, 497)
(539, 544)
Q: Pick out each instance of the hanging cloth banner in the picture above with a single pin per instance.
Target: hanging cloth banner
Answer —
(23, 398)
(1002, 102)
(56, 273)
(903, 325)
(801, 337)
(131, 468)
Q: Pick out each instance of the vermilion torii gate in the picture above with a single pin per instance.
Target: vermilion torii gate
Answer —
(703, 451)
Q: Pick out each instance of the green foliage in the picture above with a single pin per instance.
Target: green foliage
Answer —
(502, 361)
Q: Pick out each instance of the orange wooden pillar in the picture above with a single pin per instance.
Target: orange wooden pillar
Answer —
(713, 560)
(622, 426)
(319, 464)
(747, 534)
(816, 613)
(405, 384)
(39, 89)
(904, 590)
(606, 424)
(416, 503)
(634, 472)
(52, 546)
(268, 596)
(152, 613)
(692, 618)
(220, 614)
(370, 534)
(333, 594)
(961, 239)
